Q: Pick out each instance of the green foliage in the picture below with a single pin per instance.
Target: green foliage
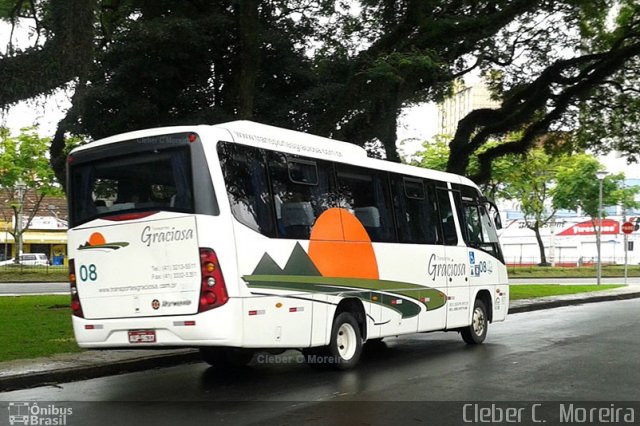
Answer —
(338, 68)
(169, 63)
(609, 115)
(23, 159)
(529, 180)
(434, 155)
(578, 188)
(13, 8)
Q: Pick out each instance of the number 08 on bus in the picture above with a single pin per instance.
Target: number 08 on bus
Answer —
(240, 237)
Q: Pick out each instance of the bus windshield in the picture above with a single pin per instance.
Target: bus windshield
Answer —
(154, 180)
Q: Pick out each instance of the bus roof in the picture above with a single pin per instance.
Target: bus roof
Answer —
(290, 141)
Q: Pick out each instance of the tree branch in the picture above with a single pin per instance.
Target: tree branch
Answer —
(42, 69)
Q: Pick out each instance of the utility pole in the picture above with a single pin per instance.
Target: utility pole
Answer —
(600, 175)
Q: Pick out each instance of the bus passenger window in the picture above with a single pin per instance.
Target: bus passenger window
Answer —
(301, 191)
(365, 193)
(473, 225)
(416, 210)
(446, 218)
(245, 178)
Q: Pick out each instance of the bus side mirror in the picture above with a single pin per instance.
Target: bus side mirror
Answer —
(496, 214)
(497, 220)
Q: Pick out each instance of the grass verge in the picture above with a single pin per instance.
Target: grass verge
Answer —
(35, 326)
(522, 291)
(612, 271)
(10, 275)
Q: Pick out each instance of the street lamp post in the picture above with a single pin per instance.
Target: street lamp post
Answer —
(21, 188)
(601, 174)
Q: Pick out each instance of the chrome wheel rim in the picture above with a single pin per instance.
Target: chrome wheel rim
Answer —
(346, 341)
(478, 322)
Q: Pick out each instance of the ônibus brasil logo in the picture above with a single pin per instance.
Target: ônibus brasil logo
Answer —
(98, 242)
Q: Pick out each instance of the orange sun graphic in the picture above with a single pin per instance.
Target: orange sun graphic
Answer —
(96, 239)
(339, 246)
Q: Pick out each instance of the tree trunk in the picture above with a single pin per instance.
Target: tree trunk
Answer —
(543, 256)
(248, 28)
(387, 125)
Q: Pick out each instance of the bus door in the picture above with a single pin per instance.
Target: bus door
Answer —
(481, 238)
(456, 266)
(420, 250)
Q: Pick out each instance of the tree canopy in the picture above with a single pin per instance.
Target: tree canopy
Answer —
(25, 177)
(577, 187)
(558, 90)
(337, 68)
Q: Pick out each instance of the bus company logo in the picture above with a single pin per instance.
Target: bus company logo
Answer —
(443, 267)
(155, 304)
(27, 413)
(98, 242)
(163, 235)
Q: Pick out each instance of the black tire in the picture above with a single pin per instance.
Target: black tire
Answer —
(226, 357)
(476, 332)
(345, 347)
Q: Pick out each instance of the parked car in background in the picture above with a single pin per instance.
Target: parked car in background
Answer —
(29, 259)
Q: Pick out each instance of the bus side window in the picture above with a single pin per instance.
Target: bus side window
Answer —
(473, 225)
(416, 210)
(446, 217)
(302, 191)
(365, 193)
(245, 178)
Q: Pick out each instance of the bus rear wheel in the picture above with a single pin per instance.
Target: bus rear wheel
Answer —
(345, 346)
(475, 333)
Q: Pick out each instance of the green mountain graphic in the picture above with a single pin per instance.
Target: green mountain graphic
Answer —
(267, 266)
(299, 263)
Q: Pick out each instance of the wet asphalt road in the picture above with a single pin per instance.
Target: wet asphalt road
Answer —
(586, 353)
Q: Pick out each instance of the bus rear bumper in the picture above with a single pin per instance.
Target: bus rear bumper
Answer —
(217, 327)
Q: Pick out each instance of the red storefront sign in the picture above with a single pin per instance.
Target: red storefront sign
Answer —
(609, 227)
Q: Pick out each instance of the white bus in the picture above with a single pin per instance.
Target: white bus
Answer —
(240, 237)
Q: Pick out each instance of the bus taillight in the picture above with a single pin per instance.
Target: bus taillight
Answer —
(76, 307)
(213, 291)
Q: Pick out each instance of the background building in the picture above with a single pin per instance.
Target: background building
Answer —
(47, 233)
(466, 98)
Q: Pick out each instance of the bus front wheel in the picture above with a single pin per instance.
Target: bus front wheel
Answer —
(475, 333)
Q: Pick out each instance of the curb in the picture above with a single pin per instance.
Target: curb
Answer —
(558, 303)
(83, 372)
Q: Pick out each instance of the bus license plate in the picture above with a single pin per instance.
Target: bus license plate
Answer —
(142, 336)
